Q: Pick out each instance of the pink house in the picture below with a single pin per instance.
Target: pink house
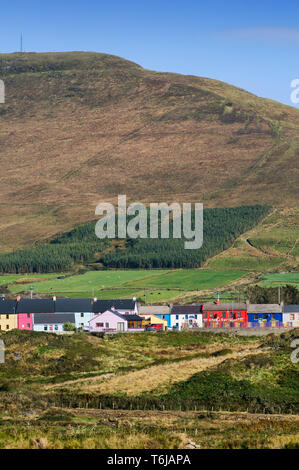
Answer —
(111, 321)
(27, 307)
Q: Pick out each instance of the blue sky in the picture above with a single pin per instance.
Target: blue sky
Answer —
(253, 44)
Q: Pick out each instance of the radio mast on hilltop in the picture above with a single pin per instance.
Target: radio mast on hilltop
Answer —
(21, 43)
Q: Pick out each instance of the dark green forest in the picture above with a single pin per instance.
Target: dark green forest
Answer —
(269, 295)
(221, 227)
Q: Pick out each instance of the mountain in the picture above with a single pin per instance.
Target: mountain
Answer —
(80, 128)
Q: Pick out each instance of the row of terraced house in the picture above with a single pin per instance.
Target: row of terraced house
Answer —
(126, 315)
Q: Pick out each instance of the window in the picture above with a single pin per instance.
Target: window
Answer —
(106, 325)
(239, 314)
(292, 316)
(28, 315)
(81, 325)
(7, 327)
(176, 317)
(45, 328)
(265, 316)
(56, 327)
(176, 324)
(255, 316)
(7, 317)
(205, 315)
(195, 316)
(28, 325)
(215, 316)
(0, 327)
(82, 315)
(99, 325)
(186, 317)
(163, 316)
(223, 314)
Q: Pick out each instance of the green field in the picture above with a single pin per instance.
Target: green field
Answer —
(193, 279)
(282, 279)
(160, 285)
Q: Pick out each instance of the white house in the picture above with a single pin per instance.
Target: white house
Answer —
(290, 315)
(122, 306)
(52, 323)
(186, 316)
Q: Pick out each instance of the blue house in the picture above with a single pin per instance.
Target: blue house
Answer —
(265, 314)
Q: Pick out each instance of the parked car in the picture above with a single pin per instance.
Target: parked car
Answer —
(150, 328)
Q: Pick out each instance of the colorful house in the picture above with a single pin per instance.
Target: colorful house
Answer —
(156, 314)
(290, 315)
(123, 306)
(26, 308)
(224, 315)
(81, 308)
(112, 321)
(186, 316)
(52, 323)
(8, 316)
(265, 315)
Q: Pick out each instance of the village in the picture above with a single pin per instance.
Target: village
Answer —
(65, 315)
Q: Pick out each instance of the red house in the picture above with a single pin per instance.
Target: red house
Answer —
(221, 315)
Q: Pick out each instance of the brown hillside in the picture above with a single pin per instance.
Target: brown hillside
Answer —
(79, 128)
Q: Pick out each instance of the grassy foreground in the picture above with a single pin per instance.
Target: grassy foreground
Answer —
(168, 390)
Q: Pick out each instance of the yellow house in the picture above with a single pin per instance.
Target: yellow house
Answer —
(8, 317)
(155, 314)
(8, 321)
(153, 320)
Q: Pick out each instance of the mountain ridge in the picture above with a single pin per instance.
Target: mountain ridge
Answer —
(80, 128)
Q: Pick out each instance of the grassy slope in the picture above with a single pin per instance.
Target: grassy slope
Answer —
(70, 118)
(167, 370)
(274, 245)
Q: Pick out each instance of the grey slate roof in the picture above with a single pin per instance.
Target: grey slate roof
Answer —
(154, 310)
(132, 317)
(53, 319)
(224, 306)
(264, 308)
(73, 305)
(101, 306)
(186, 309)
(35, 306)
(291, 308)
(8, 306)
